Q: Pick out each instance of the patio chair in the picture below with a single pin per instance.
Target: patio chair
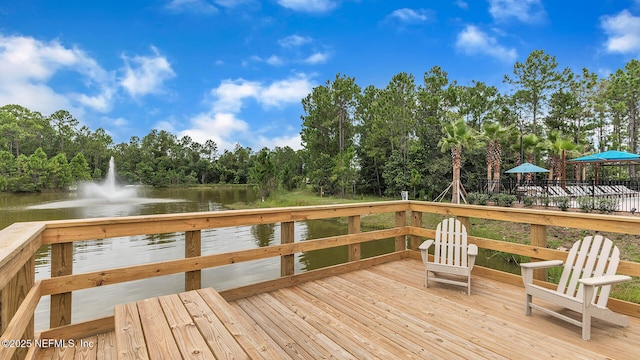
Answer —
(558, 191)
(584, 285)
(452, 255)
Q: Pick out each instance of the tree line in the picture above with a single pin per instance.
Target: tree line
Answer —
(411, 136)
(39, 152)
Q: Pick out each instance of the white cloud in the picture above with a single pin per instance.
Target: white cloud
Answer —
(230, 93)
(286, 91)
(462, 4)
(309, 6)
(527, 11)
(101, 102)
(623, 31)
(28, 65)
(293, 141)
(192, 6)
(272, 60)
(411, 16)
(317, 58)
(473, 41)
(232, 3)
(222, 128)
(146, 75)
(294, 40)
(222, 124)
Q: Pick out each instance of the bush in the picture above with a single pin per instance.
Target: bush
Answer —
(545, 201)
(528, 201)
(472, 198)
(483, 199)
(586, 203)
(503, 199)
(563, 203)
(607, 205)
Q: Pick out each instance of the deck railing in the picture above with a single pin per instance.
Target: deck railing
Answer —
(20, 293)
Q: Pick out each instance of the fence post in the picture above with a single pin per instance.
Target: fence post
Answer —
(287, 237)
(416, 221)
(354, 228)
(466, 222)
(539, 238)
(400, 221)
(61, 264)
(192, 248)
(12, 295)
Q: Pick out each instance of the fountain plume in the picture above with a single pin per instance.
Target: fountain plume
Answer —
(108, 190)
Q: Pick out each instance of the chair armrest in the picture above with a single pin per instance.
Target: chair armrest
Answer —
(472, 250)
(527, 269)
(426, 244)
(424, 247)
(541, 264)
(604, 280)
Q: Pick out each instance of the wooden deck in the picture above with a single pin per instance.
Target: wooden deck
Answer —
(382, 312)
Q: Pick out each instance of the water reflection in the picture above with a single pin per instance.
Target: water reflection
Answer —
(264, 234)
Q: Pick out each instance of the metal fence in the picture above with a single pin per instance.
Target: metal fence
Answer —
(603, 195)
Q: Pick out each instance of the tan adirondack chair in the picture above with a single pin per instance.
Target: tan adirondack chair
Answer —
(584, 285)
(452, 255)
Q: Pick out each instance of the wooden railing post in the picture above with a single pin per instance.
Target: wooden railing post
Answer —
(354, 228)
(61, 264)
(287, 237)
(539, 238)
(192, 248)
(401, 221)
(12, 295)
(416, 221)
(466, 222)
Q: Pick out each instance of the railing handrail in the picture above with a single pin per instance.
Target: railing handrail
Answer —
(62, 231)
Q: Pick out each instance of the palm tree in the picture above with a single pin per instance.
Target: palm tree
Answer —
(456, 136)
(558, 146)
(494, 134)
(530, 145)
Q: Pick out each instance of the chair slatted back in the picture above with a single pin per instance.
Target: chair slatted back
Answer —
(451, 243)
(590, 257)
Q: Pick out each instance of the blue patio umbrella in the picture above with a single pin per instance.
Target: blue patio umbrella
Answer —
(526, 168)
(610, 155)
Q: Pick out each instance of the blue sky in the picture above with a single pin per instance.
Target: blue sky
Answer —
(235, 71)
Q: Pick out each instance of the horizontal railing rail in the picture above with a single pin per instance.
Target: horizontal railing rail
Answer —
(19, 292)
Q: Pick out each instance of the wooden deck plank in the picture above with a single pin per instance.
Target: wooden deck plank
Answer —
(221, 342)
(190, 341)
(376, 321)
(64, 353)
(433, 341)
(269, 326)
(281, 319)
(474, 329)
(263, 336)
(254, 344)
(346, 335)
(157, 333)
(107, 346)
(128, 330)
(87, 350)
(301, 327)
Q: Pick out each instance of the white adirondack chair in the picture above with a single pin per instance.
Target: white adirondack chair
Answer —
(584, 285)
(452, 255)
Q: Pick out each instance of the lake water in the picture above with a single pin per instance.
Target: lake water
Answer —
(125, 251)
